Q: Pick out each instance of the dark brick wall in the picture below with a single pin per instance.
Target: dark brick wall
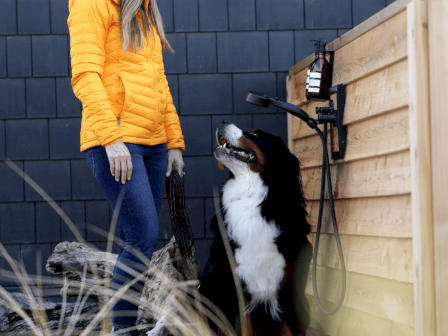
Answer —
(223, 49)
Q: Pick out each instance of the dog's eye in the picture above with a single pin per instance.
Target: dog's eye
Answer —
(254, 134)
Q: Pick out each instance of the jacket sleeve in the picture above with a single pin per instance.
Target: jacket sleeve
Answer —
(171, 121)
(88, 24)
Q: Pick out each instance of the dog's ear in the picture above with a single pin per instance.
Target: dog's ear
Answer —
(221, 166)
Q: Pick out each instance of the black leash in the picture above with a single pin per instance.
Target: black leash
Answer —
(179, 219)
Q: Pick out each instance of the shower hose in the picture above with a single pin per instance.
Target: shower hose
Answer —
(326, 169)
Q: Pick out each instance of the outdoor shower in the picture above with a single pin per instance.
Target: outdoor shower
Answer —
(335, 118)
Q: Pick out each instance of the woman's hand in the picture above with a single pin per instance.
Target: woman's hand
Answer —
(174, 156)
(120, 161)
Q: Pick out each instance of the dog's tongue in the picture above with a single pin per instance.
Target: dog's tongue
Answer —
(221, 166)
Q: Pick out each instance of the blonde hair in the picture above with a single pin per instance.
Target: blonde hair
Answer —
(131, 32)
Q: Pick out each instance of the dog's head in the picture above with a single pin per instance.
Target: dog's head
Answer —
(256, 150)
(263, 153)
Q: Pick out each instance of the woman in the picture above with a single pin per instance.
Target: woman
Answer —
(130, 127)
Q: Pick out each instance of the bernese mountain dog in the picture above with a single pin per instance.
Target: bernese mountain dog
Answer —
(265, 218)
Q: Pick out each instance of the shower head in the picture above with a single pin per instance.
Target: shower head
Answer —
(259, 99)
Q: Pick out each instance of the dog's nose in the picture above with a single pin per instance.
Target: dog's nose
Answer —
(224, 122)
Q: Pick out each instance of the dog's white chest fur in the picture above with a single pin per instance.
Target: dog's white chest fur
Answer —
(260, 265)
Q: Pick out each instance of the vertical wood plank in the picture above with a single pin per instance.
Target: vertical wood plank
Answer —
(438, 48)
(423, 248)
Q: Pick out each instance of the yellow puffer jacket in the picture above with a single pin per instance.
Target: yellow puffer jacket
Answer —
(124, 96)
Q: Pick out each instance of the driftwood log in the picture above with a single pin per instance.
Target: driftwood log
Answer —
(11, 324)
(165, 285)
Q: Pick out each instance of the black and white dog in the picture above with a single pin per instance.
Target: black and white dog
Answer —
(265, 218)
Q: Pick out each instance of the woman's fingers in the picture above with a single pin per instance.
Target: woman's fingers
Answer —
(117, 168)
(130, 166)
(120, 161)
(112, 165)
(169, 165)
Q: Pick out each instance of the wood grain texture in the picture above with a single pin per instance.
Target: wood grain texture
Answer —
(382, 135)
(351, 322)
(379, 176)
(388, 216)
(423, 239)
(313, 332)
(437, 32)
(389, 258)
(382, 92)
(380, 297)
(377, 49)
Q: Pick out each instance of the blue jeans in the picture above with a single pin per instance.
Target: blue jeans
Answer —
(138, 216)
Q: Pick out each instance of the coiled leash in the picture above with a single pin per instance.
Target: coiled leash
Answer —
(180, 223)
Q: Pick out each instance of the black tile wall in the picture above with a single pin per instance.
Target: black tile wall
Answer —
(33, 16)
(223, 48)
(186, 16)
(48, 223)
(12, 189)
(279, 14)
(64, 138)
(19, 56)
(67, 104)
(17, 222)
(13, 251)
(29, 258)
(213, 15)
(281, 87)
(166, 9)
(8, 17)
(281, 50)
(50, 55)
(97, 215)
(173, 84)
(12, 96)
(75, 210)
(198, 134)
(2, 140)
(53, 176)
(177, 62)
(27, 139)
(59, 13)
(201, 54)
(363, 9)
(242, 15)
(243, 52)
(40, 98)
(326, 14)
(84, 185)
(205, 94)
(276, 123)
(261, 82)
(3, 56)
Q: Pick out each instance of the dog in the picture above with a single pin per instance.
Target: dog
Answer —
(265, 218)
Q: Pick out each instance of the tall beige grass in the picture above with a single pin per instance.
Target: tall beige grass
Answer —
(190, 319)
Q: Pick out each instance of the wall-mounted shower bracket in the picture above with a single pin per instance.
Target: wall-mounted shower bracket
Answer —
(336, 118)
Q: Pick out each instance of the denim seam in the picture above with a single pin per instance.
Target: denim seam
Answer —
(93, 163)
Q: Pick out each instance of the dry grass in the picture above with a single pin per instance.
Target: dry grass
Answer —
(191, 308)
